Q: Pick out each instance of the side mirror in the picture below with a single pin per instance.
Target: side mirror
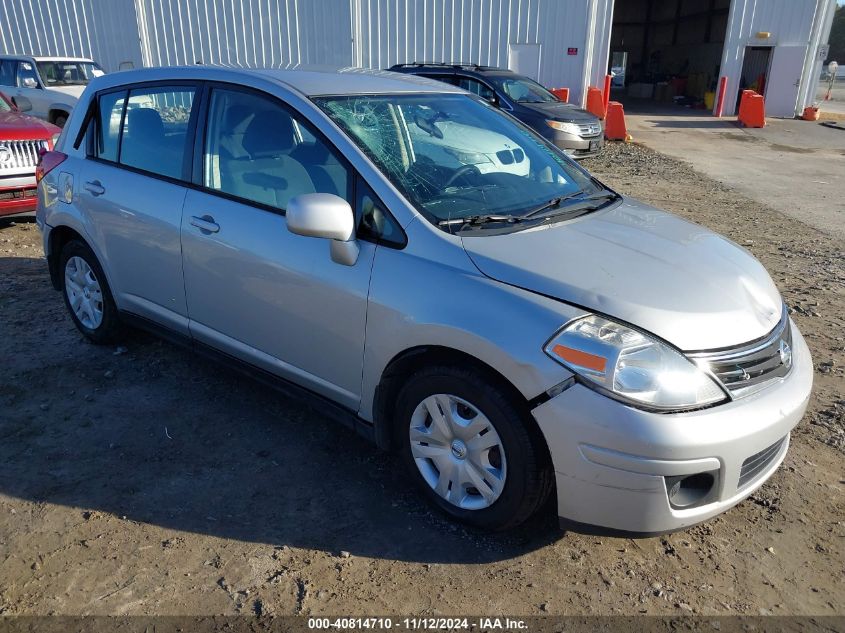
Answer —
(329, 217)
(29, 82)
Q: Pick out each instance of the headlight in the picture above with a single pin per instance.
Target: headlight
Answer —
(470, 158)
(569, 128)
(632, 365)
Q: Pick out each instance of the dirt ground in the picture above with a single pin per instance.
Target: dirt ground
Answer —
(146, 480)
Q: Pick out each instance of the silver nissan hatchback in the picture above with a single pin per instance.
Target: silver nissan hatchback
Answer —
(438, 277)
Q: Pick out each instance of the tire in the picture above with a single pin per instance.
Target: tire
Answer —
(60, 119)
(96, 315)
(517, 470)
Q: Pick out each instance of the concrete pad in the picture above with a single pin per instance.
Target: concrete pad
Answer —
(796, 167)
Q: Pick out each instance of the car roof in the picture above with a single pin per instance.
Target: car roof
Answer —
(309, 80)
(41, 58)
(451, 67)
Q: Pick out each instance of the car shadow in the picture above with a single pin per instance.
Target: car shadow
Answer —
(156, 434)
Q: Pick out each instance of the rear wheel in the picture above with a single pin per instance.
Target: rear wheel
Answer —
(87, 295)
(60, 119)
(471, 449)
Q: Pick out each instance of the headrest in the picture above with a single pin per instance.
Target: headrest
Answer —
(270, 133)
(234, 117)
(145, 123)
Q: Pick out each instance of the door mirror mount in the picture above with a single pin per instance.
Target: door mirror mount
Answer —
(326, 216)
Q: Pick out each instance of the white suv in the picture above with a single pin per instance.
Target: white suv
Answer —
(46, 87)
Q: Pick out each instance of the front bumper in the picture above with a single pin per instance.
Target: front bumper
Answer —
(577, 146)
(17, 194)
(612, 461)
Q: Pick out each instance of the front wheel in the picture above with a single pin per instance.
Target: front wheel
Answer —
(471, 448)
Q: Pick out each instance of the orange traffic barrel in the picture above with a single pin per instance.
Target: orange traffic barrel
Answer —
(614, 127)
(752, 109)
(595, 102)
(561, 93)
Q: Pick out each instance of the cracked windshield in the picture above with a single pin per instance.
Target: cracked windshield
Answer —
(457, 159)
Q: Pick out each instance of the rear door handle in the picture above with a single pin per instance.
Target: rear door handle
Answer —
(205, 224)
(95, 188)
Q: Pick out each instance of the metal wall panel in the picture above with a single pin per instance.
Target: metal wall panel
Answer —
(245, 33)
(104, 30)
(480, 31)
(280, 33)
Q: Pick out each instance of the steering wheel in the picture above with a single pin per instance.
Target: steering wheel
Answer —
(461, 172)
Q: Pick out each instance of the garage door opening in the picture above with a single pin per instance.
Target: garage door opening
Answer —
(755, 70)
(666, 53)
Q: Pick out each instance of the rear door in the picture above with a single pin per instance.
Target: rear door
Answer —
(132, 190)
(254, 289)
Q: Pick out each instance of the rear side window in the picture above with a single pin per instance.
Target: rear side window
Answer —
(108, 125)
(446, 79)
(476, 87)
(155, 129)
(256, 150)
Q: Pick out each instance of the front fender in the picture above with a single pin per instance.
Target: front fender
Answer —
(420, 301)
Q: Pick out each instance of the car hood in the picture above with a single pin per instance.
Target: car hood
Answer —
(73, 91)
(689, 286)
(560, 111)
(15, 126)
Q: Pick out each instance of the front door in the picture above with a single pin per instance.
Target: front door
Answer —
(131, 189)
(30, 97)
(785, 80)
(254, 289)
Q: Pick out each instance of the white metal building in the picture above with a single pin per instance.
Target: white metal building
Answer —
(561, 43)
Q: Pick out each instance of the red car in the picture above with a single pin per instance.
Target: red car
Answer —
(22, 139)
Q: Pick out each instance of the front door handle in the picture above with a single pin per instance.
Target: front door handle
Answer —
(94, 188)
(206, 224)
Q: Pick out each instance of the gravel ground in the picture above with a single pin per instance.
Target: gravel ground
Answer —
(144, 480)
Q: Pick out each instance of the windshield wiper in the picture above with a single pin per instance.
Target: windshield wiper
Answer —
(478, 220)
(551, 204)
(578, 200)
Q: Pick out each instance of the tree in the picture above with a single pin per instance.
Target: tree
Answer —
(837, 37)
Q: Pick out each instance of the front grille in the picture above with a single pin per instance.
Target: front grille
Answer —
(748, 368)
(758, 463)
(509, 157)
(16, 155)
(589, 129)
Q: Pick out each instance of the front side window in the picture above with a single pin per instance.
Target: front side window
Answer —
(256, 150)
(7, 72)
(27, 78)
(68, 73)
(524, 90)
(455, 156)
(155, 129)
